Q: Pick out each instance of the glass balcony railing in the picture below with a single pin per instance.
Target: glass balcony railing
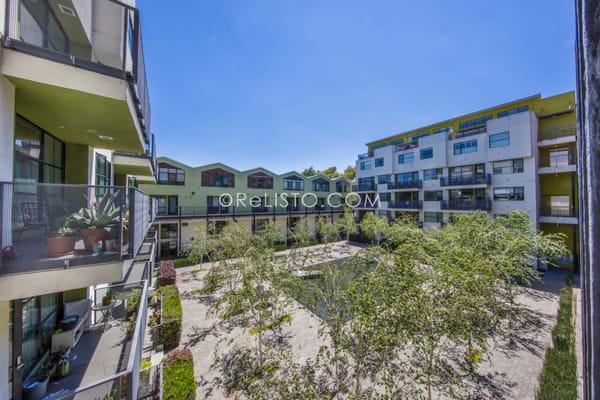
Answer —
(102, 36)
(406, 204)
(55, 226)
(467, 204)
(367, 187)
(467, 133)
(411, 184)
(477, 179)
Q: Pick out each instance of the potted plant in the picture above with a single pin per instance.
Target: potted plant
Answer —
(62, 241)
(93, 221)
(63, 365)
(107, 298)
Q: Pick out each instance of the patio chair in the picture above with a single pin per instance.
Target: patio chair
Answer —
(33, 218)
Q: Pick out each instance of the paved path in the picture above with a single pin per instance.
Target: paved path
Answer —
(510, 373)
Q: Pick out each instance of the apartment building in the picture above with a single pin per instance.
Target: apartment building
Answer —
(520, 155)
(188, 200)
(75, 136)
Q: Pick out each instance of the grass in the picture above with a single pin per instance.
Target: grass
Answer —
(182, 262)
(558, 380)
(172, 315)
(179, 382)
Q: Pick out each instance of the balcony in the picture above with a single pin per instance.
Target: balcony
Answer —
(477, 179)
(364, 156)
(411, 184)
(248, 211)
(407, 146)
(406, 204)
(74, 64)
(467, 205)
(142, 165)
(560, 211)
(105, 364)
(55, 227)
(366, 187)
(467, 132)
(558, 163)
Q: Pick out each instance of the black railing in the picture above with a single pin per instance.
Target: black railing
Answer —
(557, 208)
(467, 205)
(407, 204)
(40, 33)
(54, 226)
(557, 161)
(411, 184)
(241, 211)
(367, 187)
(477, 179)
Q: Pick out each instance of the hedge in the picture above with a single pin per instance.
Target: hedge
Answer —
(558, 380)
(166, 273)
(182, 262)
(172, 316)
(179, 382)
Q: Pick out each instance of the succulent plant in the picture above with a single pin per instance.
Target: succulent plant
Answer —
(105, 212)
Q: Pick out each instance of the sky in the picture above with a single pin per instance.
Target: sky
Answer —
(287, 84)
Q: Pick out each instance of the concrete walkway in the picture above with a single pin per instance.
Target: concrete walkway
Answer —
(510, 372)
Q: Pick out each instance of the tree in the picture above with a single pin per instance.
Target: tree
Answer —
(373, 227)
(310, 171)
(347, 224)
(330, 172)
(350, 172)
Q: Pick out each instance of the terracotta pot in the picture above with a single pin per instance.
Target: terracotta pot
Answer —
(60, 245)
(91, 237)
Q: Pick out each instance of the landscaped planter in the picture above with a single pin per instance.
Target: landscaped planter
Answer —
(60, 245)
(91, 237)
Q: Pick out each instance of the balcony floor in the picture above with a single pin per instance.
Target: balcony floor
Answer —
(97, 356)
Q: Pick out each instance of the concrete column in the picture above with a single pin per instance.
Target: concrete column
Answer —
(588, 140)
(7, 140)
(4, 349)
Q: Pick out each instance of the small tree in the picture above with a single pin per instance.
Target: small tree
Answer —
(350, 172)
(373, 227)
(347, 224)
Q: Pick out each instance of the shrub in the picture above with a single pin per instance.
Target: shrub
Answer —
(182, 262)
(179, 382)
(559, 376)
(166, 273)
(172, 315)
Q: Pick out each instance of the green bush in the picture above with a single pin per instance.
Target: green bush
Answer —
(182, 262)
(179, 382)
(172, 316)
(558, 380)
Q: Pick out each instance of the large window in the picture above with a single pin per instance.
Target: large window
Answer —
(260, 180)
(509, 193)
(379, 162)
(169, 175)
(508, 166)
(433, 217)
(39, 319)
(217, 177)
(466, 171)
(501, 139)
(558, 158)
(293, 183)
(433, 195)
(474, 122)
(406, 177)
(384, 179)
(365, 165)
(102, 170)
(418, 136)
(512, 111)
(39, 156)
(469, 146)
(167, 205)
(432, 174)
(427, 153)
(406, 158)
(341, 186)
(320, 185)
(41, 27)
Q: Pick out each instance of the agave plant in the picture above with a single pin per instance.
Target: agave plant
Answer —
(105, 212)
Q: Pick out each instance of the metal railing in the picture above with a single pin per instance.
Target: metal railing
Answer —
(150, 154)
(47, 226)
(556, 161)
(554, 208)
(467, 205)
(366, 187)
(412, 184)
(241, 211)
(108, 41)
(124, 383)
(476, 179)
(408, 204)
(467, 132)
(407, 146)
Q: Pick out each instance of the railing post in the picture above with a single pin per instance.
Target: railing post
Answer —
(132, 221)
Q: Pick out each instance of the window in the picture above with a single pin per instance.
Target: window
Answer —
(217, 177)
(365, 165)
(509, 193)
(432, 174)
(475, 122)
(427, 153)
(444, 129)
(379, 162)
(166, 205)
(470, 146)
(260, 180)
(320, 185)
(508, 166)
(512, 111)
(407, 177)
(418, 136)
(433, 217)
(40, 26)
(169, 175)
(501, 139)
(384, 179)
(433, 195)
(341, 187)
(293, 183)
(387, 196)
(102, 171)
(406, 158)
(558, 158)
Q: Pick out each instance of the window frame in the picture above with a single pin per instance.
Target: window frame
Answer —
(405, 160)
(495, 140)
(512, 195)
(460, 147)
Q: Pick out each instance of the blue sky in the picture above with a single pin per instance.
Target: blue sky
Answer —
(286, 84)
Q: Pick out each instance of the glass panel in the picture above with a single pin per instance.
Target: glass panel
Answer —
(26, 170)
(32, 345)
(27, 139)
